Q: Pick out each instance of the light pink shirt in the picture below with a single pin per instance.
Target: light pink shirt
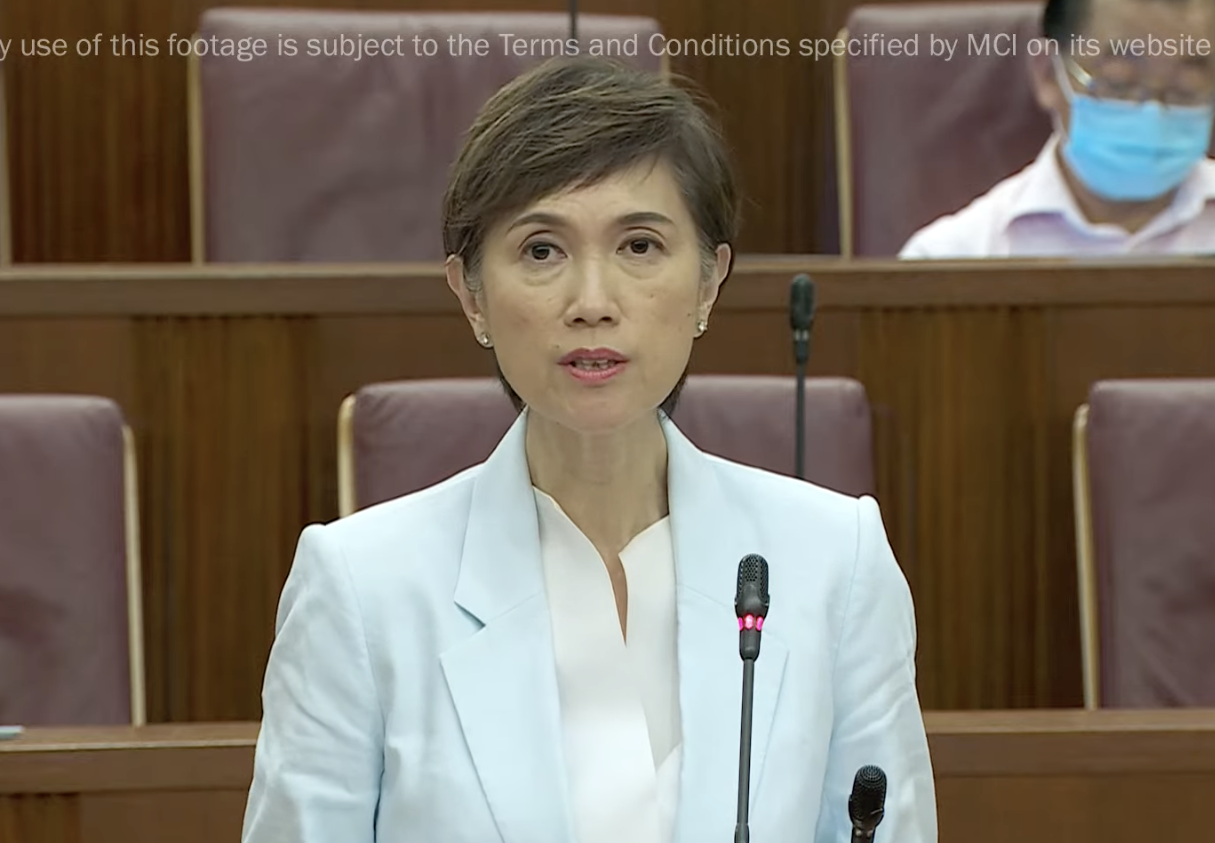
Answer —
(1033, 214)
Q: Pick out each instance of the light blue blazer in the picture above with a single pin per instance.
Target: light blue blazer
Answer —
(411, 693)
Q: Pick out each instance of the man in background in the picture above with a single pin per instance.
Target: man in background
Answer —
(1127, 170)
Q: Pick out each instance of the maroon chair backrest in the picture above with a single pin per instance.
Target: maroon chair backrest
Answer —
(752, 419)
(408, 435)
(928, 135)
(325, 158)
(1151, 454)
(64, 633)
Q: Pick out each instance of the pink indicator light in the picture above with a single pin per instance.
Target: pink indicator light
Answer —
(759, 623)
(749, 621)
(740, 624)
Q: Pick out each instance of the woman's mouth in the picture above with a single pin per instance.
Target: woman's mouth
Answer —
(594, 365)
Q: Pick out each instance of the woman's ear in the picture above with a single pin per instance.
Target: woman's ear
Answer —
(457, 280)
(720, 270)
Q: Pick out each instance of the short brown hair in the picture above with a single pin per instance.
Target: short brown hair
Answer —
(572, 122)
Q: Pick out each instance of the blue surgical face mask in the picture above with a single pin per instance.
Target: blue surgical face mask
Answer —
(1131, 151)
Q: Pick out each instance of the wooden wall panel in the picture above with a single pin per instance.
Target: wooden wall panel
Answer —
(206, 816)
(970, 404)
(71, 355)
(224, 459)
(40, 817)
(98, 146)
(769, 109)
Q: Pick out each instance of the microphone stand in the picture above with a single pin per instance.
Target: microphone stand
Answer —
(801, 317)
(751, 606)
(801, 349)
(742, 832)
(573, 7)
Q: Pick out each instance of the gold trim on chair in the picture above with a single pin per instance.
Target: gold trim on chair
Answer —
(6, 207)
(134, 579)
(1086, 568)
(345, 443)
(843, 150)
(198, 224)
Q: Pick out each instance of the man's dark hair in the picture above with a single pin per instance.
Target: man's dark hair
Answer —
(1063, 19)
(573, 123)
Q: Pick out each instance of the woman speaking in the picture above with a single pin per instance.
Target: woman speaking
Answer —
(544, 648)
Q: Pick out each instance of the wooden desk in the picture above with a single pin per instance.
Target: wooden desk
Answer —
(1002, 777)
(1073, 776)
(232, 379)
(155, 784)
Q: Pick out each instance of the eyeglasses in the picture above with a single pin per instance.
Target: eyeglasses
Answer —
(1107, 89)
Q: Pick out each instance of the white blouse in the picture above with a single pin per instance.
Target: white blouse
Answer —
(619, 700)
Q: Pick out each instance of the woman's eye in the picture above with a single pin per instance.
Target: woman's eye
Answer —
(540, 251)
(640, 246)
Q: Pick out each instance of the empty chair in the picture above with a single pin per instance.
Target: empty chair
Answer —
(751, 419)
(71, 640)
(918, 137)
(1144, 457)
(328, 158)
(396, 438)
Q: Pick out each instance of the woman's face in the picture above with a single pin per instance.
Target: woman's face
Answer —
(591, 298)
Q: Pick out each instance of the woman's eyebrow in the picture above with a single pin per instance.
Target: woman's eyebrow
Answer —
(551, 220)
(540, 218)
(643, 218)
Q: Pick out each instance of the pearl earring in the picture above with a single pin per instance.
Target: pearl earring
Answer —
(485, 341)
(701, 327)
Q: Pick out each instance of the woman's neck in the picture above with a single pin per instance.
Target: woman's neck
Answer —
(612, 485)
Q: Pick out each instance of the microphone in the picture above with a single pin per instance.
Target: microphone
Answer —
(867, 804)
(801, 319)
(751, 606)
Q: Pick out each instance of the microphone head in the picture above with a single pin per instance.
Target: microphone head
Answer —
(801, 303)
(867, 804)
(751, 598)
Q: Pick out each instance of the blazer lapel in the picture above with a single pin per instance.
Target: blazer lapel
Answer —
(503, 678)
(711, 534)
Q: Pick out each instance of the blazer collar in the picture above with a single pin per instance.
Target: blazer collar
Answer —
(503, 678)
(500, 568)
(712, 530)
